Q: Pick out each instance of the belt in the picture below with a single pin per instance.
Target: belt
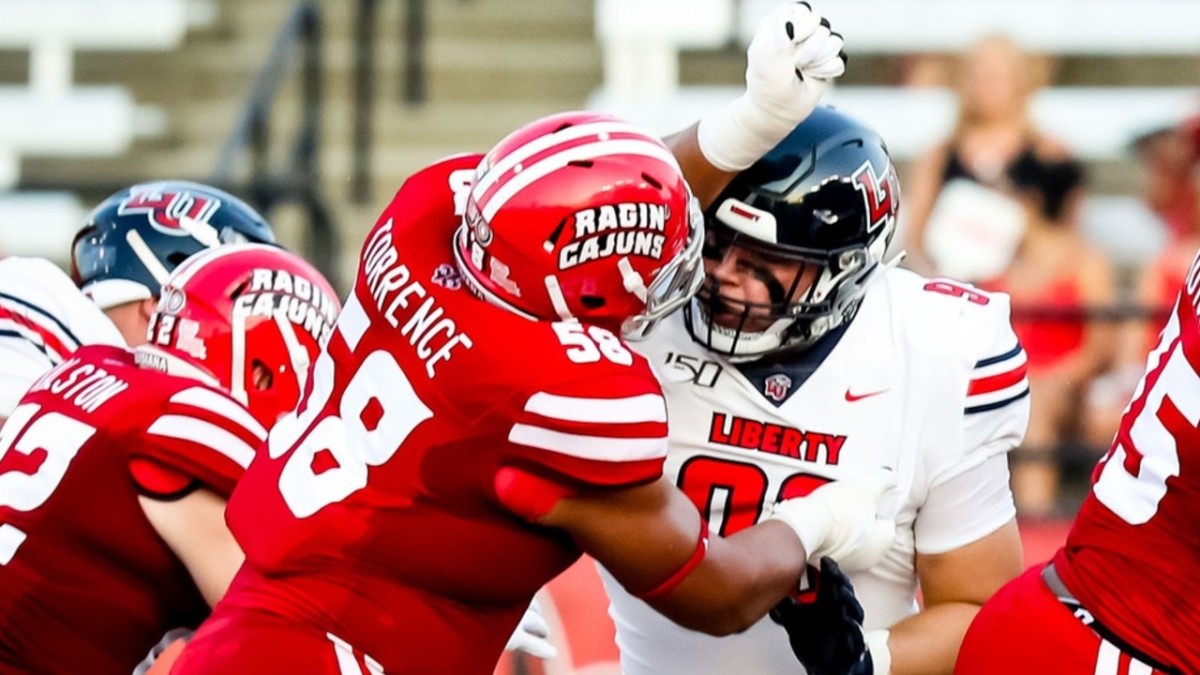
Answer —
(1059, 589)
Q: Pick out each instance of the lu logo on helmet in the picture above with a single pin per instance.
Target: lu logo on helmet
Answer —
(879, 194)
(166, 209)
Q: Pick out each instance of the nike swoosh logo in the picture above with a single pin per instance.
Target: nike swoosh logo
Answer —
(851, 398)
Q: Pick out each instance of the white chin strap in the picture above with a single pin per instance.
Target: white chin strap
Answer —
(557, 298)
(632, 280)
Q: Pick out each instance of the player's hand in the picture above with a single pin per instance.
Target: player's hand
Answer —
(790, 62)
(824, 626)
(849, 520)
(532, 635)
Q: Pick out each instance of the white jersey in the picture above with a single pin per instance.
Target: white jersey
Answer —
(43, 318)
(928, 379)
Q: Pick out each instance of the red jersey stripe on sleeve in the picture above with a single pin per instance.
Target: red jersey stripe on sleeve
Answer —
(998, 381)
(986, 385)
(40, 334)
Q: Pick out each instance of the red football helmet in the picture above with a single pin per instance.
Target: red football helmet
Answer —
(582, 216)
(249, 318)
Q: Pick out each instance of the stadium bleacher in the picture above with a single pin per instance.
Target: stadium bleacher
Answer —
(50, 115)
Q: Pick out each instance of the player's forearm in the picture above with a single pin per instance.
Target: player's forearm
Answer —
(706, 180)
(738, 582)
(927, 643)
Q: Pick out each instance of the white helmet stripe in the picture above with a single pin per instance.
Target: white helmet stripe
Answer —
(144, 254)
(559, 160)
(538, 145)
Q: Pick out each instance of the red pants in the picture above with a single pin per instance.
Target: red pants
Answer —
(1025, 629)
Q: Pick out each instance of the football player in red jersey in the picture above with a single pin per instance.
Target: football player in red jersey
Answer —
(455, 454)
(477, 421)
(1120, 597)
(115, 467)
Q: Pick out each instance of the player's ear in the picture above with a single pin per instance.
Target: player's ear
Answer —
(146, 308)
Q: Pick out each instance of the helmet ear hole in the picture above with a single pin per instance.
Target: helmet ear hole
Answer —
(592, 301)
(262, 377)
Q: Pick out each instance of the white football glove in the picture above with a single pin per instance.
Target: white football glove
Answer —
(790, 63)
(532, 635)
(848, 520)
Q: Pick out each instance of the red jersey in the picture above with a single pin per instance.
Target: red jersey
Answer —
(394, 508)
(1133, 556)
(86, 584)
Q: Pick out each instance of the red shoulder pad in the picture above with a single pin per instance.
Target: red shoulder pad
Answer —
(204, 434)
(603, 431)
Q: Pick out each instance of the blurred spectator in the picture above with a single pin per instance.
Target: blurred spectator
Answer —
(1053, 277)
(1169, 159)
(994, 131)
(925, 70)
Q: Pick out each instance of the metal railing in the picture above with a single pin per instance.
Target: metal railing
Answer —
(298, 180)
(413, 85)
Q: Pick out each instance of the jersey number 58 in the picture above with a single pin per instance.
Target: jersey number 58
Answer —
(378, 409)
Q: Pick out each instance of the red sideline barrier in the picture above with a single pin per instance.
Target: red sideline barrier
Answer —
(577, 611)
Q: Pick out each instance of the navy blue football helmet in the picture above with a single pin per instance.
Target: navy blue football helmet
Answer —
(826, 196)
(133, 239)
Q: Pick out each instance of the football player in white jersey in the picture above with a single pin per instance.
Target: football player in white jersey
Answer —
(43, 318)
(120, 258)
(807, 358)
